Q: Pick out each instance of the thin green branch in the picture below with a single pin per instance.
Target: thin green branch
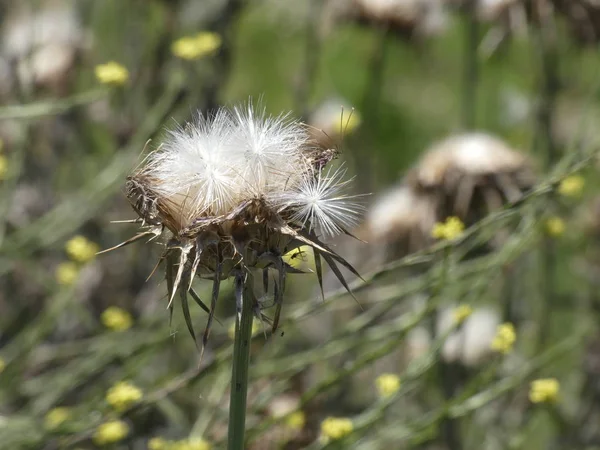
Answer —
(48, 108)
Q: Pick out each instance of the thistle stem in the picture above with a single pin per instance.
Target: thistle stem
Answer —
(239, 376)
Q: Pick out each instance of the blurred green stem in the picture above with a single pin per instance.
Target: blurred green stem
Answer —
(471, 72)
(545, 45)
(239, 376)
(447, 372)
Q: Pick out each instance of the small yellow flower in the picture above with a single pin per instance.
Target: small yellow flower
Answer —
(197, 46)
(112, 73)
(347, 123)
(256, 328)
(333, 428)
(571, 186)
(123, 395)
(544, 390)
(387, 384)
(111, 432)
(56, 417)
(555, 226)
(2, 365)
(158, 443)
(3, 167)
(296, 420)
(67, 273)
(505, 338)
(81, 249)
(116, 319)
(190, 444)
(451, 229)
(300, 258)
(461, 313)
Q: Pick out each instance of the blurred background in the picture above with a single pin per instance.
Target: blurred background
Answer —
(472, 124)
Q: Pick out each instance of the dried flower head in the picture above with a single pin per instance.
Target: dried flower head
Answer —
(471, 343)
(233, 193)
(583, 17)
(471, 174)
(401, 219)
(405, 17)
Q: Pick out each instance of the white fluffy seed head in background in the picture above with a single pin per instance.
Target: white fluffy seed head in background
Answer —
(209, 167)
(471, 154)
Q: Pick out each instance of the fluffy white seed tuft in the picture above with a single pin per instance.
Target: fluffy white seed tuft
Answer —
(209, 167)
(319, 202)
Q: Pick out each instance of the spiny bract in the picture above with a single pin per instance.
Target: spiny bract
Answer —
(231, 194)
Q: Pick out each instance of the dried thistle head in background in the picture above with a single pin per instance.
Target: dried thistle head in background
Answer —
(404, 17)
(583, 17)
(400, 219)
(466, 176)
(470, 175)
(232, 194)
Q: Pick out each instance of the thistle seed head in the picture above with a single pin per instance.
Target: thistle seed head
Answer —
(233, 193)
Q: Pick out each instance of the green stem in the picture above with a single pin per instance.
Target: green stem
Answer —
(239, 376)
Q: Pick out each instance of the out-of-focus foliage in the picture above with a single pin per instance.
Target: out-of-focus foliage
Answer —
(485, 338)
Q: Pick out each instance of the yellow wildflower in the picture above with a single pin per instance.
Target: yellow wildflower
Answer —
(333, 428)
(461, 313)
(190, 444)
(544, 390)
(116, 319)
(112, 73)
(111, 432)
(256, 328)
(2, 365)
(122, 395)
(197, 46)
(67, 273)
(451, 229)
(81, 249)
(571, 186)
(3, 167)
(555, 226)
(505, 338)
(296, 420)
(56, 417)
(158, 443)
(300, 258)
(347, 123)
(387, 384)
